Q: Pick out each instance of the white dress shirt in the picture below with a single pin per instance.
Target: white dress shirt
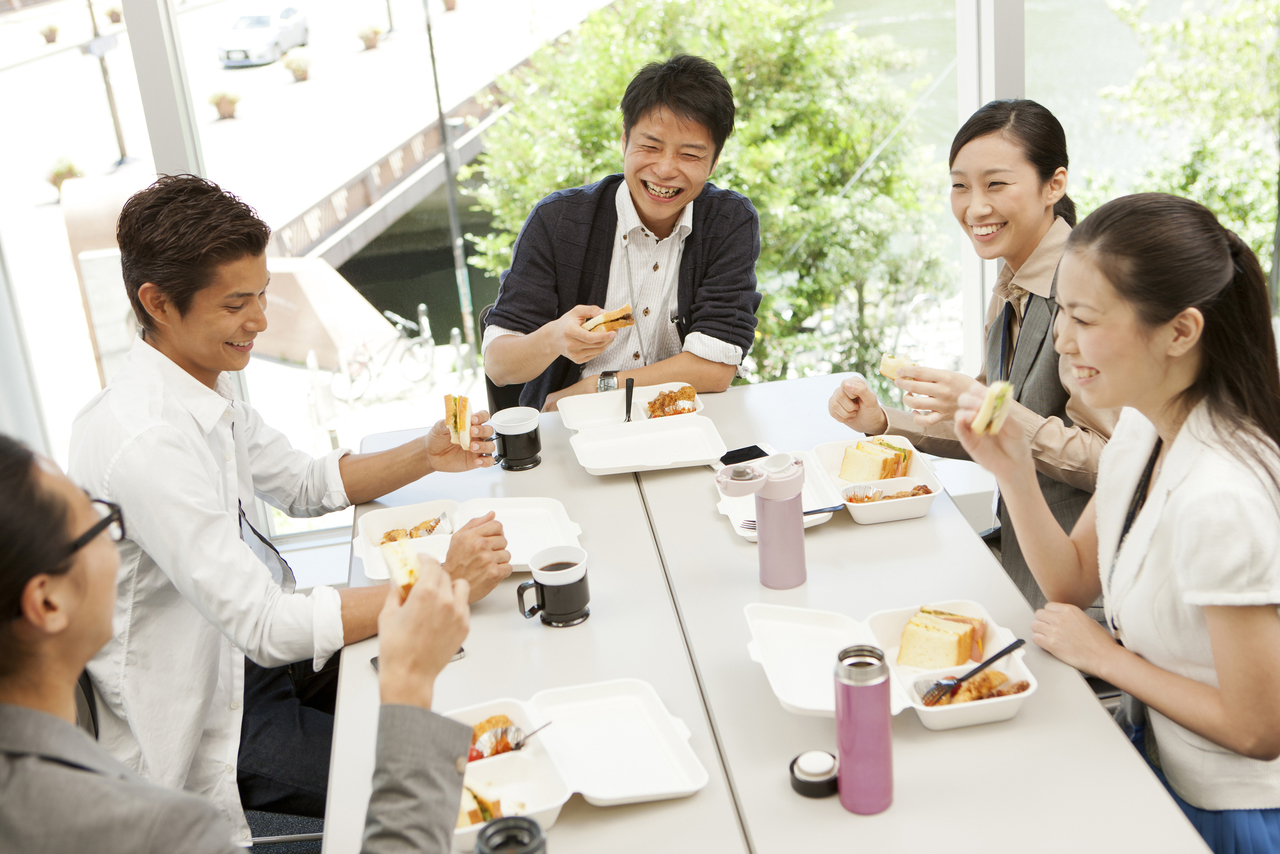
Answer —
(644, 271)
(1208, 534)
(193, 598)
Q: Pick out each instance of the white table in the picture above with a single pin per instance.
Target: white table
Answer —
(632, 632)
(1058, 777)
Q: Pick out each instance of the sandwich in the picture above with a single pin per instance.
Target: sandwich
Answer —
(402, 565)
(979, 628)
(932, 643)
(874, 459)
(889, 365)
(994, 409)
(477, 808)
(610, 320)
(457, 416)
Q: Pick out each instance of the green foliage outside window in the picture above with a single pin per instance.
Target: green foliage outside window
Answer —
(813, 103)
(1212, 78)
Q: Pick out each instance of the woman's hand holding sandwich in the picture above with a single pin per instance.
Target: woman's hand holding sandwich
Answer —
(1006, 453)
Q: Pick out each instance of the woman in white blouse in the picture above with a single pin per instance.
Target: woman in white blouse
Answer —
(1165, 312)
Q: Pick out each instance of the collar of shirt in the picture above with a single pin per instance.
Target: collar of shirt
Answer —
(1036, 274)
(631, 228)
(204, 404)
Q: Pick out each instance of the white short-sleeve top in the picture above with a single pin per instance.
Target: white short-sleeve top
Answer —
(1209, 534)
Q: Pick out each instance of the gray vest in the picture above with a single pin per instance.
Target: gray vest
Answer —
(1037, 386)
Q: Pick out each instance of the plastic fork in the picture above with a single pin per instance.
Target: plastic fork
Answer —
(930, 696)
(750, 524)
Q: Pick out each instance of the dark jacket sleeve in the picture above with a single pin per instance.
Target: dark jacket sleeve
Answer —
(723, 299)
(417, 782)
(527, 297)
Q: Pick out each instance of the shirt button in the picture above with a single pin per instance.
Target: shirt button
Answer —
(230, 768)
(646, 312)
(228, 456)
(235, 706)
(635, 355)
(461, 765)
(624, 237)
(655, 267)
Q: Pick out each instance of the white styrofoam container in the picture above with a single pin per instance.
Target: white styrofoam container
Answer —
(591, 411)
(659, 443)
(817, 492)
(831, 454)
(529, 524)
(798, 648)
(614, 742)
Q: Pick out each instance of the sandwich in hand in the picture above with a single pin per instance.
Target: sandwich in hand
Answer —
(610, 320)
(402, 565)
(890, 365)
(994, 409)
(457, 416)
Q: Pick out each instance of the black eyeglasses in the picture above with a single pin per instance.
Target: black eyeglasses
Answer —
(112, 522)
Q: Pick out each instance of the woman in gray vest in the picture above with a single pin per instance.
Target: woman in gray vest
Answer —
(1009, 194)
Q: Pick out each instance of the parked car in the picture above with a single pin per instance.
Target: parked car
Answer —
(263, 37)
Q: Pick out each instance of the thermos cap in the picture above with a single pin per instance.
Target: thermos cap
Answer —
(515, 834)
(813, 774)
(861, 665)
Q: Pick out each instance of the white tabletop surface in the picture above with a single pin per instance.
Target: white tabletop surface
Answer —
(632, 632)
(1058, 777)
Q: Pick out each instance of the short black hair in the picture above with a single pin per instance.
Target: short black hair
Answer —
(177, 232)
(689, 86)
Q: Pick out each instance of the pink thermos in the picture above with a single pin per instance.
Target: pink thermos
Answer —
(864, 730)
(777, 482)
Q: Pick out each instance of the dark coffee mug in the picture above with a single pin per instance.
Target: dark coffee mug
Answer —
(516, 434)
(560, 583)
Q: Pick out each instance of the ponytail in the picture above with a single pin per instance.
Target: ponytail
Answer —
(1165, 254)
(1066, 209)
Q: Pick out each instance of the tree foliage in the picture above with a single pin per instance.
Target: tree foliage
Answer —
(813, 102)
(1210, 92)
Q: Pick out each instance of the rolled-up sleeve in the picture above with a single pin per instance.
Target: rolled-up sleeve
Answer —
(172, 491)
(288, 479)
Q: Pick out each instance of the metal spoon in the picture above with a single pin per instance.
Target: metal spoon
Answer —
(631, 387)
(932, 692)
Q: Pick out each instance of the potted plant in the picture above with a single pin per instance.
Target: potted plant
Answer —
(62, 170)
(298, 65)
(115, 15)
(370, 36)
(450, 5)
(226, 104)
(50, 33)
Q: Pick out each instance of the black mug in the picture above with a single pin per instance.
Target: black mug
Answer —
(560, 583)
(515, 431)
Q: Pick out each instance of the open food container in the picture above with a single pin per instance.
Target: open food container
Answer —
(529, 524)
(614, 742)
(830, 456)
(817, 492)
(605, 443)
(798, 648)
(607, 408)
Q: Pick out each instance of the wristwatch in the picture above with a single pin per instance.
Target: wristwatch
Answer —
(608, 381)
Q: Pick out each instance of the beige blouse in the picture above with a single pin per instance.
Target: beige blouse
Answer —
(1067, 454)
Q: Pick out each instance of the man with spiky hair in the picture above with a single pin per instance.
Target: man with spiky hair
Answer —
(679, 250)
(215, 679)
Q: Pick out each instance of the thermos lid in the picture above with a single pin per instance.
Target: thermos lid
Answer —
(813, 774)
(861, 665)
(515, 834)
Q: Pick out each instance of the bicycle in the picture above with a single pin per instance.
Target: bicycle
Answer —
(413, 349)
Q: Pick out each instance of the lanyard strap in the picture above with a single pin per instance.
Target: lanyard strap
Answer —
(1135, 507)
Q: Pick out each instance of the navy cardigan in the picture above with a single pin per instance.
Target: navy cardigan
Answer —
(562, 257)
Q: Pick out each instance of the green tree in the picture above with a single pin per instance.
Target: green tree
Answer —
(837, 270)
(1209, 93)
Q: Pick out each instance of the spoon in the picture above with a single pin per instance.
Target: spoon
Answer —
(933, 692)
(631, 387)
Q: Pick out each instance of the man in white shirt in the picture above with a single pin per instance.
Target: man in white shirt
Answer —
(686, 267)
(193, 688)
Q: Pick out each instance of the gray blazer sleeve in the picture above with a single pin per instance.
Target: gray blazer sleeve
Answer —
(417, 782)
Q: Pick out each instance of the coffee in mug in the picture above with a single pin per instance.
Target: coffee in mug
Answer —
(560, 586)
(516, 435)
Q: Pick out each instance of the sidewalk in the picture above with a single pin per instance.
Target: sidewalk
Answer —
(290, 144)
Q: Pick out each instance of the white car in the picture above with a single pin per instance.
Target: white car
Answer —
(263, 37)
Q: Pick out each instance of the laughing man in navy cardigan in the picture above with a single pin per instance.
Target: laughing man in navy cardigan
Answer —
(680, 250)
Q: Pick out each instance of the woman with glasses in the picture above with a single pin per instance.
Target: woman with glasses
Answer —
(61, 791)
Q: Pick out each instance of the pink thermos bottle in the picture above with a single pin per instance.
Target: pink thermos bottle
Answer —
(777, 482)
(864, 730)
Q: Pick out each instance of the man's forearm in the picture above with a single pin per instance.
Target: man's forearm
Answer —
(369, 476)
(513, 359)
(360, 607)
(703, 374)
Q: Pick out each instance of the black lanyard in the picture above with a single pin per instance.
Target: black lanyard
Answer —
(1135, 507)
